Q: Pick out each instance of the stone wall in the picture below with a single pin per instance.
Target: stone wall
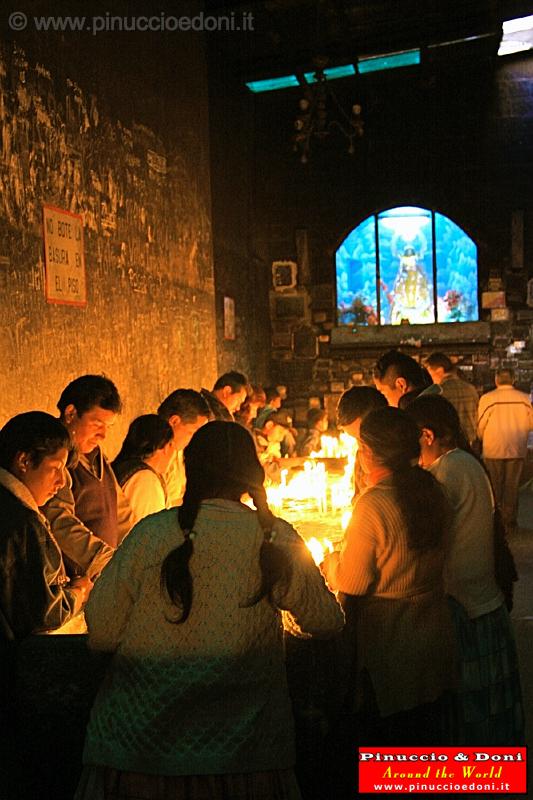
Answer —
(115, 135)
(241, 271)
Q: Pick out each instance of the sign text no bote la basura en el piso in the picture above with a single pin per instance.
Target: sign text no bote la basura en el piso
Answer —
(64, 257)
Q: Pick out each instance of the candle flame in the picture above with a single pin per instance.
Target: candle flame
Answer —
(313, 497)
(319, 548)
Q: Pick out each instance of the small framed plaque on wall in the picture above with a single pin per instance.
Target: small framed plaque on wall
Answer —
(284, 275)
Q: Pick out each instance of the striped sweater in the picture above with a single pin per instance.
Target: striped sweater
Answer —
(404, 631)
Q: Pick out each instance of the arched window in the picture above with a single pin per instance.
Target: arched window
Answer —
(406, 264)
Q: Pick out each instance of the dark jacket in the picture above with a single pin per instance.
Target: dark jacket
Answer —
(33, 592)
(127, 467)
(311, 444)
(218, 410)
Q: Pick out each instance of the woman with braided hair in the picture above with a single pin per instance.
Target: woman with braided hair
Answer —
(479, 572)
(390, 570)
(195, 704)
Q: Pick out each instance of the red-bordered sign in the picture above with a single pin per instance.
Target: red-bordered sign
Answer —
(64, 257)
(443, 770)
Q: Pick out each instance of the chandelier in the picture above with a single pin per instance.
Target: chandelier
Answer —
(320, 114)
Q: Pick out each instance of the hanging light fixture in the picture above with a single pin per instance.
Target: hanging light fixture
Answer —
(320, 112)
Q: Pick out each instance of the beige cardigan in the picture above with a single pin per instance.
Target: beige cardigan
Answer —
(404, 629)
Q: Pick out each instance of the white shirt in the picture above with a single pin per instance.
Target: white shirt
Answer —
(175, 480)
(469, 564)
(505, 417)
(145, 494)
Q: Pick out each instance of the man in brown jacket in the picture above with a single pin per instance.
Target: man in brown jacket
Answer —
(90, 515)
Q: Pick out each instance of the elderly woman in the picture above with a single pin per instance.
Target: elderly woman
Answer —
(196, 704)
(35, 593)
(391, 562)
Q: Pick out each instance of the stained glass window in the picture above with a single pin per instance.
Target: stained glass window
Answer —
(406, 264)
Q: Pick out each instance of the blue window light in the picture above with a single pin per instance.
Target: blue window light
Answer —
(406, 264)
(272, 84)
(406, 58)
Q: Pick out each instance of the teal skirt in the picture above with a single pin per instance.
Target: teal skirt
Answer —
(487, 707)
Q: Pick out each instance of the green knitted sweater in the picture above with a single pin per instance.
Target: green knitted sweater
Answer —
(208, 696)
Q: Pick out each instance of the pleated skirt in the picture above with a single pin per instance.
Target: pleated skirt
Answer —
(105, 783)
(486, 709)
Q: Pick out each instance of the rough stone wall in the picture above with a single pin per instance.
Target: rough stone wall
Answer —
(143, 192)
(240, 269)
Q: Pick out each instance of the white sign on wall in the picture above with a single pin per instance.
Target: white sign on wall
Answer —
(64, 257)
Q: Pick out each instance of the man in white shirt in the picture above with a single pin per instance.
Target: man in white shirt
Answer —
(505, 418)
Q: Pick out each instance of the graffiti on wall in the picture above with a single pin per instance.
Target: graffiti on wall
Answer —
(147, 237)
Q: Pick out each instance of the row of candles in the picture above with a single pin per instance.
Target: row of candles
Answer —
(315, 493)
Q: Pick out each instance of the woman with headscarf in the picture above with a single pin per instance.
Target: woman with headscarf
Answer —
(195, 703)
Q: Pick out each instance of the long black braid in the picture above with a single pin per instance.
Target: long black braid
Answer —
(220, 461)
(393, 438)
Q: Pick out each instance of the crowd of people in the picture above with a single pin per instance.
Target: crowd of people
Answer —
(496, 425)
(157, 560)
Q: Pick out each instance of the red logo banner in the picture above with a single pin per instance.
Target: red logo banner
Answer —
(444, 770)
